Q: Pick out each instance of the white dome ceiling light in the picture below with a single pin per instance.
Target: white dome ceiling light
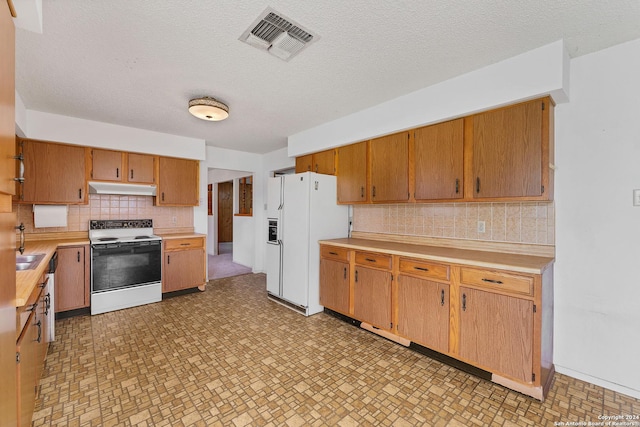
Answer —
(207, 108)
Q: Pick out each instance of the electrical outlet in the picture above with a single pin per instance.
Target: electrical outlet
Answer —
(481, 226)
(636, 197)
(174, 220)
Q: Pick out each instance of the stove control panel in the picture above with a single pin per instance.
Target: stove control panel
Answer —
(114, 224)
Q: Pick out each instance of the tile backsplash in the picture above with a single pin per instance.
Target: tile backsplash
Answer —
(103, 206)
(530, 223)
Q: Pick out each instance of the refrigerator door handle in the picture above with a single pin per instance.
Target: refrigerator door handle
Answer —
(280, 268)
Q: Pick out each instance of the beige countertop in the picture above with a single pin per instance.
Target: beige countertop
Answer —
(27, 280)
(486, 259)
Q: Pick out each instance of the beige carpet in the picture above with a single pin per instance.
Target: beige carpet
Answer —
(223, 266)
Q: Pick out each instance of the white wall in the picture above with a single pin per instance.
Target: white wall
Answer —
(54, 127)
(248, 248)
(597, 294)
(214, 177)
(529, 75)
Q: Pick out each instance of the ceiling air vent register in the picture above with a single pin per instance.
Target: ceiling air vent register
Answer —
(278, 35)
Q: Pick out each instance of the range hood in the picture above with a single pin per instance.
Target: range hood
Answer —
(96, 187)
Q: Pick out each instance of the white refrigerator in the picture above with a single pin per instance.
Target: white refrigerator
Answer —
(301, 209)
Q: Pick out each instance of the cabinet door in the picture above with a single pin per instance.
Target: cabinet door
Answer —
(438, 154)
(304, 163)
(140, 168)
(7, 314)
(372, 297)
(107, 165)
(352, 173)
(334, 285)
(496, 332)
(423, 312)
(324, 162)
(53, 173)
(390, 168)
(507, 151)
(7, 105)
(71, 279)
(177, 182)
(26, 371)
(183, 269)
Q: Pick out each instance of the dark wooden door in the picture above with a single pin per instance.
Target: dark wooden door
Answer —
(225, 212)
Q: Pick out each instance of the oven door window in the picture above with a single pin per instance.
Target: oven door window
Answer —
(122, 265)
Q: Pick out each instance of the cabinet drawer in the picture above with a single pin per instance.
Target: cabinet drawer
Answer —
(334, 252)
(504, 281)
(185, 243)
(372, 259)
(424, 268)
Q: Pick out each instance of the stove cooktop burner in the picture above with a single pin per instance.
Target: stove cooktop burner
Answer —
(107, 239)
(142, 237)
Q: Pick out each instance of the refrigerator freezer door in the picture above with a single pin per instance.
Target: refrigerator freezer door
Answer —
(295, 241)
(274, 196)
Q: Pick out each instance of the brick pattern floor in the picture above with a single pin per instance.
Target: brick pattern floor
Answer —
(231, 357)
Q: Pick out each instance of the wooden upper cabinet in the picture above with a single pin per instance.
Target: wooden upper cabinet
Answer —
(323, 162)
(304, 163)
(390, 168)
(177, 182)
(122, 167)
(107, 165)
(438, 157)
(140, 168)
(53, 173)
(7, 102)
(352, 173)
(511, 149)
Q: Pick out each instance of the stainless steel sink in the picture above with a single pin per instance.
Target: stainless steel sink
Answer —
(28, 262)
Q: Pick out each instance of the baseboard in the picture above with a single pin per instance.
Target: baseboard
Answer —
(599, 382)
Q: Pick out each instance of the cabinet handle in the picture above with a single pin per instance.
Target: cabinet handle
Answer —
(80, 193)
(373, 192)
(131, 173)
(356, 276)
(498, 282)
(168, 259)
(421, 268)
(457, 185)
(370, 259)
(333, 253)
(39, 325)
(117, 172)
(47, 302)
(163, 196)
(345, 272)
(185, 244)
(464, 302)
(441, 296)
(21, 228)
(477, 185)
(362, 192)
(316, 168)
(78, 256)
(33, 306)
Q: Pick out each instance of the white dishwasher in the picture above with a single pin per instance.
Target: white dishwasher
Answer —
(49, 300)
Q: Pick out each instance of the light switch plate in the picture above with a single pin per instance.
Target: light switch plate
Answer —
(481, 226)
(636, 197)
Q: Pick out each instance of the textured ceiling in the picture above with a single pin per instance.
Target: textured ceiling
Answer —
(138, 62)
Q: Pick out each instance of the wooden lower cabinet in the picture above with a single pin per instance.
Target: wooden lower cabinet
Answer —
(423, 312)
(496, 332)
(72, 278)
(184, 264)
(31, 351)
(495, 319)
(334, 285)
(372, 297)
